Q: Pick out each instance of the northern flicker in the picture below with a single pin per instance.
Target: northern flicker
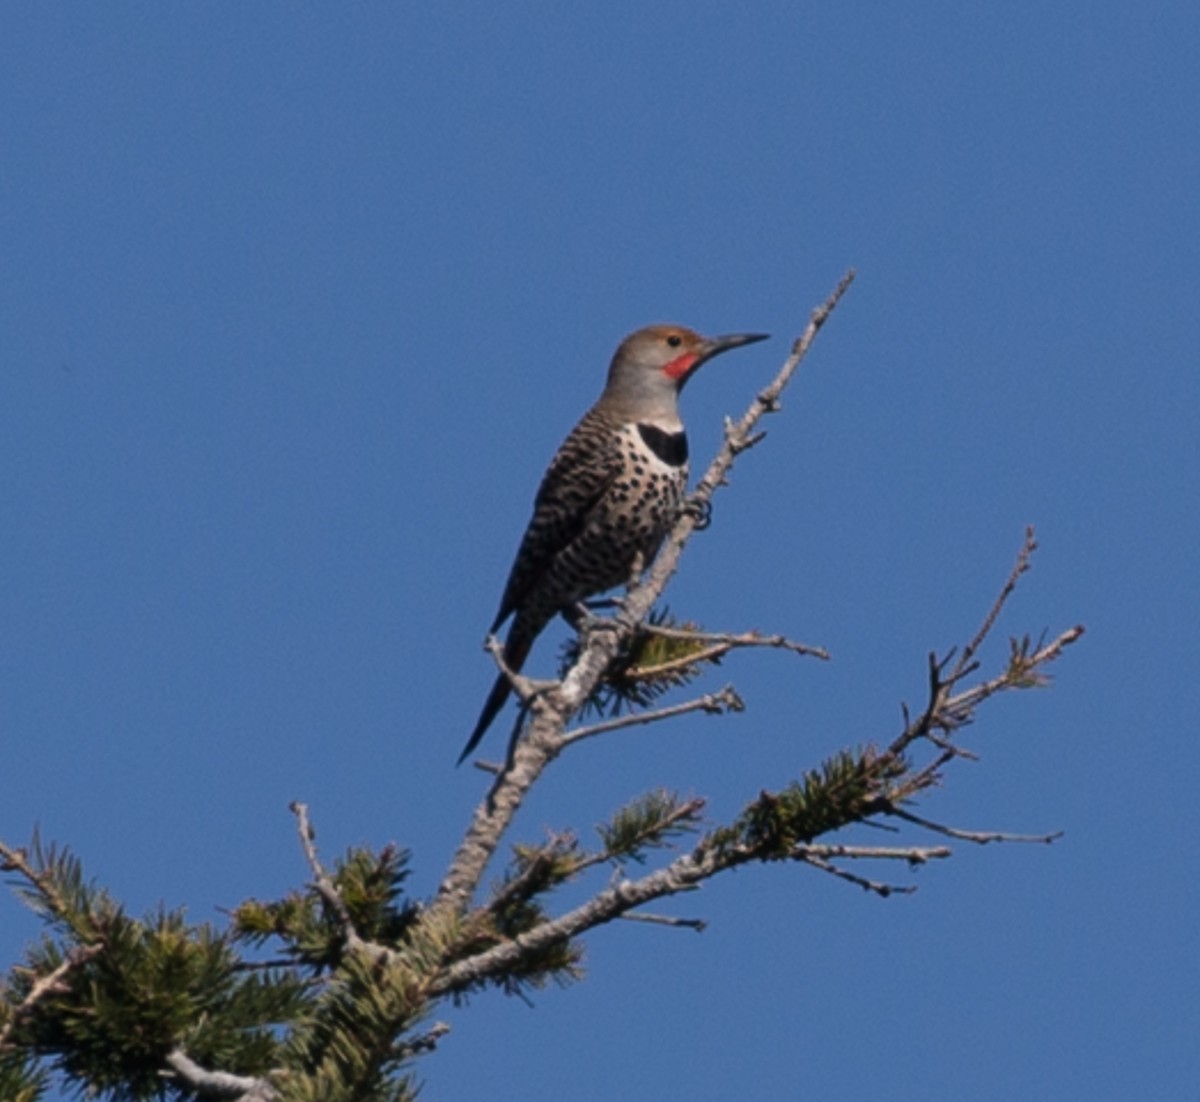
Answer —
(611, 492)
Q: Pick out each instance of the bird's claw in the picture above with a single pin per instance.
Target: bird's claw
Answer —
(700, 511)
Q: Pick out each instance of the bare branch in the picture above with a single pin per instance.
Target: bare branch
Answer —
(618, 899)
(947, 710)
(328, 892)
(524, 687)
(218, 1084)
(914, 855)
(989, 621)
(321, 879)
(529, 758)
(969, 699)
(878, 887)
(718, 703)
(979, 837)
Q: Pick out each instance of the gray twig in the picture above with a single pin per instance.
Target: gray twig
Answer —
(218, 1084)
(322, 881)
(979, 837)
(876, 886)
(718, 703)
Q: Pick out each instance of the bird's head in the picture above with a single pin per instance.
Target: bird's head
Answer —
(652, 365)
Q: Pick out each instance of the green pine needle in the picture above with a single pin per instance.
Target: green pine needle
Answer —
(824, 800)
(649, 822)
(647, 666)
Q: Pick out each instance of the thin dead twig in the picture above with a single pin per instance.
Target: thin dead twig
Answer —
(1024, 557)
(526, 688)
(914, 855)
(877, 887)
(979, 837)
(718, 703)
(971, 698)
(322, 881)
(328, 891)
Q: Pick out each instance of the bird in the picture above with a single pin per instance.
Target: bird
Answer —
(611, 493)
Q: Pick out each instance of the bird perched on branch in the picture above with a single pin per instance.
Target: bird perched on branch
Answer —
(612, 492)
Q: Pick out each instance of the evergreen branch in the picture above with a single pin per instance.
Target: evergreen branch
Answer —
(21, 1081)
(684, 663)
(718, 703)
(647, 821)
(774, 827)
(849, 788)
(346, 1047)
(551, 711)
(53, 983)
(16, 860)
(56, 888)
(717, 853)
(540, 869)
(648, 664)
(661, 656)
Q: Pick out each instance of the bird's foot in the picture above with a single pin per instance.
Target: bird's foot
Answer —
(699, 510)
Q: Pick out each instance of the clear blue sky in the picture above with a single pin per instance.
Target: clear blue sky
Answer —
(297, 300)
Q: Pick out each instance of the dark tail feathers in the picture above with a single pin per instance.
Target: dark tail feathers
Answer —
(516, 650)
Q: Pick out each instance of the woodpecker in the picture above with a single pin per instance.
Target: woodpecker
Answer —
(612, 491)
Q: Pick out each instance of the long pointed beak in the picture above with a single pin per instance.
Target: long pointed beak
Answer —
(714, 346)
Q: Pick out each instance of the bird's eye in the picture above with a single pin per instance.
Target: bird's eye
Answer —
(674, 340)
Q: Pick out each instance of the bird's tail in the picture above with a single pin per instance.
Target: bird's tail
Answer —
(516, 650)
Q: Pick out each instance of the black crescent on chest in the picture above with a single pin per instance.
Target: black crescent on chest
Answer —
(670, 447)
